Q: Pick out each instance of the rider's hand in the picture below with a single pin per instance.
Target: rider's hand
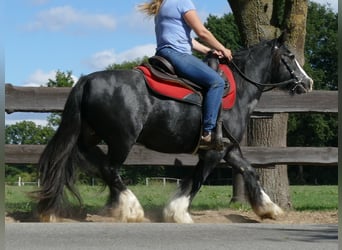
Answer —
(227, 53)
(217, 53)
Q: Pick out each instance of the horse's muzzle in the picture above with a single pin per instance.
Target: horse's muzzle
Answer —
(303, 86)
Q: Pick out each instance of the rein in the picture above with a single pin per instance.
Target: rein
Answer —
(271, 85)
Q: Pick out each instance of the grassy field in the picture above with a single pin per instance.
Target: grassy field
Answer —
(304, 198)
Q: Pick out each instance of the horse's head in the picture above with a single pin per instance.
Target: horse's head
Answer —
(287, 70)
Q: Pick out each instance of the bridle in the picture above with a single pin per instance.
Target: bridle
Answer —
(295, 79)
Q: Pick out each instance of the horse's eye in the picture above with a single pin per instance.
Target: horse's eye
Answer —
(291, 56)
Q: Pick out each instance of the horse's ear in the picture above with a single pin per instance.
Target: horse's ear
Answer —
(282, 38)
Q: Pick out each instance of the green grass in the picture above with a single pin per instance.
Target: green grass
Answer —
(304, 198)
(314, 198)
(16, 199)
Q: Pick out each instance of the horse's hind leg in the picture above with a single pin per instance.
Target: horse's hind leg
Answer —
(260, 202)
(122, 203)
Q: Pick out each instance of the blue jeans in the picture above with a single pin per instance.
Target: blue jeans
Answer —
(192, 68)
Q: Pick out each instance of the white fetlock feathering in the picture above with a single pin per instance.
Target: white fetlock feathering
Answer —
(129, 208)
(267, 208)
(177, 210)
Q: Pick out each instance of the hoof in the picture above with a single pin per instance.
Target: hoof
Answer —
(273, 212)
(268, 209)
(51, 218)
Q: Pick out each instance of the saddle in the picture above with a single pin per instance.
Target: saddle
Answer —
(161, 78)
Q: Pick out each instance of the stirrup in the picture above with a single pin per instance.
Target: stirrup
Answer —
(221, 142)
(213, 141)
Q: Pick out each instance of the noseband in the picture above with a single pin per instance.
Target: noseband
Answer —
(297, 81)
(295, 78)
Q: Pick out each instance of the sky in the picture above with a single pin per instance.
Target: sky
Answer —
(43, 36)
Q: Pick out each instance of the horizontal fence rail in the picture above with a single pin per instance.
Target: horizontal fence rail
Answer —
(139, 155)
(44, 99)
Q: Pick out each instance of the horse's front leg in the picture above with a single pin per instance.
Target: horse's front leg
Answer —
(260, 202)
(177, 209)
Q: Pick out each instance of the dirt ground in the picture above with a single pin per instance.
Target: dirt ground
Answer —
(207, 216)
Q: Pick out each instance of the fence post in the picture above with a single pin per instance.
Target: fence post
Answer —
(19, 181)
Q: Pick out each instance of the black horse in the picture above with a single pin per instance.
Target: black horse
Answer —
(118, 108)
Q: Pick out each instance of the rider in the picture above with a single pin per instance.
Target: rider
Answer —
(174, 21)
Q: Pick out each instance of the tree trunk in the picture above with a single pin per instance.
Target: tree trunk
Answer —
(295, 23)
(264, 19)
(239, 194)
(268, 132)
(254, 19)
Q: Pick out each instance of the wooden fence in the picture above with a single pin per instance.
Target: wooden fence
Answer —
(44, 99)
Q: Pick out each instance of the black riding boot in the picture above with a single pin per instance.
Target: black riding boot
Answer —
(214, 140)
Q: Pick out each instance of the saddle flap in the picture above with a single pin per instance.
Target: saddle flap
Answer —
(228, 100)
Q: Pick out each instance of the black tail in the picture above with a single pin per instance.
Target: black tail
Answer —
(57, 163)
